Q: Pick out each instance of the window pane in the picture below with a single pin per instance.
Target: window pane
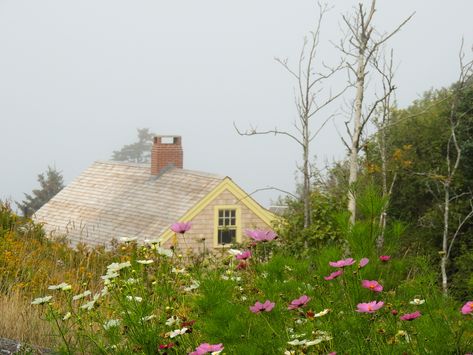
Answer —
(232, 222)
(226, 236)
(220, 213)
(232, 213)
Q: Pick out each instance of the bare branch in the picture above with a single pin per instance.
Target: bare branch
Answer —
(268, 188)
(253, 132)
(322, 126)
(388, 36)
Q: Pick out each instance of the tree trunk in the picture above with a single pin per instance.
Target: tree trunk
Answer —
(306, 173)
(443, 261)
(384, 176)
(355, 139)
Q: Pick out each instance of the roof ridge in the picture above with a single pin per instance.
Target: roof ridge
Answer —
(147, 166)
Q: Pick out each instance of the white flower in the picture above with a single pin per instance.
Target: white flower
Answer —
(88, 306)
(403, 333)
(151, 241)
(81, 295)
(313, 342)
(41, 300)
(321, 332)
(67, 316)
(417, 301)
(297, 342)
(104, 291)
(111, 323)
(323, 313)
(233, 278)
(322, 336)
(234, 252)
(301, 320)
(145, 262)
(134, 298)
(114, 267)
(173, 320)
(62, 286)
(176, 332)
(294, 336)
(193, 286)
(128, 239)
(147, 318)
(289, 352)
(109, 275)
(243, 298)
(178, 271)
(165, 252)
(131, 281)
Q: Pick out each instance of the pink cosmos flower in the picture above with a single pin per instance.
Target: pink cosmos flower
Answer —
(207, 348)
(181, 227)
(166, 346)
(261, 235)
(342, 263)
(363, 262)
(299, 302)
(244, 255)
(384, 258)
(260, 307)
(467, 307)
(410, 316)
(241, 265)
(369, 307)
(372, 285)
(333, 275)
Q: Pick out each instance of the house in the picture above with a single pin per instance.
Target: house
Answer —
(112, 200)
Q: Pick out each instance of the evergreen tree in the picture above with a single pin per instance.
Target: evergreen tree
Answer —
(139, 152)
(51, 182)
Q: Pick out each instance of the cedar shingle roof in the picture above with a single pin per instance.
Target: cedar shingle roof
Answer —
(113, 200)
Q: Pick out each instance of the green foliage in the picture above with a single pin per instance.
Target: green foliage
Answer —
(322, 230)
(416, 142)
(138, 152)
(51, 182)
(462, 282)
(223, 306)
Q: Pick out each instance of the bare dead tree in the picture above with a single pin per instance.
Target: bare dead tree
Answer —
(452, 162)
(384, 66)
(363, 44)
(309, 102)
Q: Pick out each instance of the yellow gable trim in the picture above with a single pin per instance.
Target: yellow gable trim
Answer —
(242, 197)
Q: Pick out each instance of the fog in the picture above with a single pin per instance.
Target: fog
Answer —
(77, 78)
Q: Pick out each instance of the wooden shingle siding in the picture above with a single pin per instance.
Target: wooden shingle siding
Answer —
(203, 224)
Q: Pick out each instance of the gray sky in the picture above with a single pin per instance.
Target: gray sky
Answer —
(78, 77)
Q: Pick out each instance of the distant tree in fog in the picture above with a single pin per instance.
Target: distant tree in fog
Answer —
(138, 152)
(51, 182)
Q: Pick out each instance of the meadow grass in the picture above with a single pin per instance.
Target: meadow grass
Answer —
(137, 299)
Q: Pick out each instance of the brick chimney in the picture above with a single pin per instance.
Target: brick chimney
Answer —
(166, 152)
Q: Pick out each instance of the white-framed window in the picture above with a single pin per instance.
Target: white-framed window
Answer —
(227, 225)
